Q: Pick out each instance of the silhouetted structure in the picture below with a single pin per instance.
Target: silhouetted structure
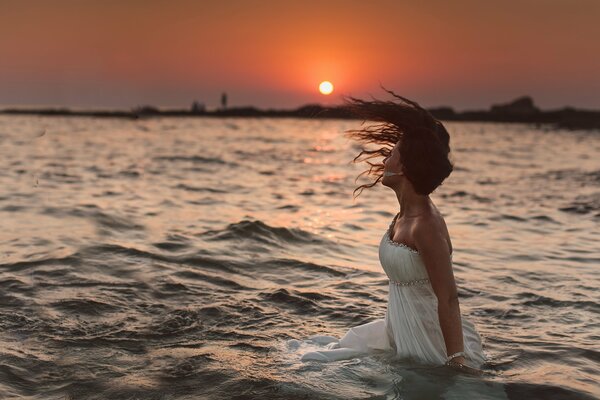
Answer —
(144, 111)
(197, 107)
(224, 101)
(521, 109)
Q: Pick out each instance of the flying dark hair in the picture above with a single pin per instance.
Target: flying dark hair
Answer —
(425, 145)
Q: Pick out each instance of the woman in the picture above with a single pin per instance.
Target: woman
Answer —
(423, 320)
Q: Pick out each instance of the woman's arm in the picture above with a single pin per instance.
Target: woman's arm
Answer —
(433, 248)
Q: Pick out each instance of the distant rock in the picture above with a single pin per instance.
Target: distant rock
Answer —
(442, 112)
(520, 106)
(310, 110)
(247, 111)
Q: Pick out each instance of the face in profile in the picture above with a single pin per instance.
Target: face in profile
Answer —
(392, 164)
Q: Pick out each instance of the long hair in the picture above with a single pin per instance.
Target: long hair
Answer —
(424, 149)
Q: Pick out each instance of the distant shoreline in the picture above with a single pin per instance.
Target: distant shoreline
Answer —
(520, 110)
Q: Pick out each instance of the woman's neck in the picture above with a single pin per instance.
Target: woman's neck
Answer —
(413, 204)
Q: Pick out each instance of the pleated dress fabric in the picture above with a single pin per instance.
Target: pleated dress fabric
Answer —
(411, 328)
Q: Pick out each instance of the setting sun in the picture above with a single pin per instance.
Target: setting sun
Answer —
(326, 87)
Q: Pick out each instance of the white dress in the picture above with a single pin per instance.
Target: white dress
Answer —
(411, 328)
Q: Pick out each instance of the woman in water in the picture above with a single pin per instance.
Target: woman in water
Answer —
(423, 319)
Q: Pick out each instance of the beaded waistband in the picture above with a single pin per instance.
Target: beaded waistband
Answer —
(410, 283)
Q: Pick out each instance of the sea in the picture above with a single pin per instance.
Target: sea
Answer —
(192, 258)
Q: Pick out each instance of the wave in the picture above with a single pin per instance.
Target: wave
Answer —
(175, 322)
(283, 297)
(198, 189)
(260, 232)
(212, 279)
(96, 215)
(192, 159)
(472, 196)
(71, 260)
(539, 300)
(573, 174)
(537, 391)
(85, 306)
(171, 276)
(584, 204)
(286, 264)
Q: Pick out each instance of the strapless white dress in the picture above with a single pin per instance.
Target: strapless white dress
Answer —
(410, 329)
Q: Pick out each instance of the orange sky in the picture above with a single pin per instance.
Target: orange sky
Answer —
(464, 54)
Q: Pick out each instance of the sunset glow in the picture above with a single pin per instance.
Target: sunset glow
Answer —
(464, 54)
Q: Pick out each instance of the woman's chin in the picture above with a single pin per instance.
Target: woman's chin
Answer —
(392, 182)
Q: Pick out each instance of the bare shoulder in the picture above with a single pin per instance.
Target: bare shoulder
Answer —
(431, 234)
(430, 223)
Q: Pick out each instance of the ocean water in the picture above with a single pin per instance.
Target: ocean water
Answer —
(177, 258)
